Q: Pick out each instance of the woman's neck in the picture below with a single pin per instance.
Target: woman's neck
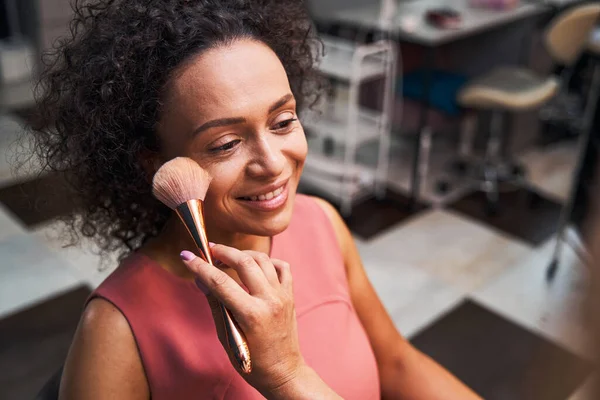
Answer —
(241, 241)
(174, 238)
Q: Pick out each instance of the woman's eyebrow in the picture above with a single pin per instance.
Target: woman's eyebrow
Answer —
(280, 102)
(215, 123)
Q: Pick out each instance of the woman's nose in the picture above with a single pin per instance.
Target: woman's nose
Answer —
(268, 159)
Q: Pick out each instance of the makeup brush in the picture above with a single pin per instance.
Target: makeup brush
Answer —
(181, 185)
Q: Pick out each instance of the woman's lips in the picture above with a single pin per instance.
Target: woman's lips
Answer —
(278, 200)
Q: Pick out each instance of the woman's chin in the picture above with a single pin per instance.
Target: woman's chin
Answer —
(270, 228)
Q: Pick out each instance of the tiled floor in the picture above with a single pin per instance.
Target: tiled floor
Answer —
(425, 267)
(451, 247)
(37, 200)
(550, 169)
(373, 217)
(9, 225)
(551, 310)
(30, 273)
(14, 151)
(588, 389)
(499, 359)
(34, 343)
(81, 258)
(412, 296)
(522, 213)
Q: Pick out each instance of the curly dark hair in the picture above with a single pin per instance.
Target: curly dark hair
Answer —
(99, 96)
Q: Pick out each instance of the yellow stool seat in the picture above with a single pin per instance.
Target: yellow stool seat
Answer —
(508, 88)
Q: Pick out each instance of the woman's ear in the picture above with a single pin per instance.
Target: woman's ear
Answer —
(150, 162)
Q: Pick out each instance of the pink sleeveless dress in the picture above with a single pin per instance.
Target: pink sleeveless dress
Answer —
(176, 337)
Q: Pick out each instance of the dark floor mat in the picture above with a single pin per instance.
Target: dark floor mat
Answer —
(35, 341)
(499, 359)
(523, 213)
(39, 200)
(373, 216)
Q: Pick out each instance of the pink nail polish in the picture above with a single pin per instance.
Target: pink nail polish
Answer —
(187, 255)
(211, 244)
(201, 286)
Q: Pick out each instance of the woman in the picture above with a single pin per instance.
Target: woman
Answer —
(143, 81)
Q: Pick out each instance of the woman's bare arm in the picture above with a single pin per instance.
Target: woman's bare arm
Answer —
(405, 372)
(103, 361)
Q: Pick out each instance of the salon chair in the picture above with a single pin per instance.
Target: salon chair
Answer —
(512, 89)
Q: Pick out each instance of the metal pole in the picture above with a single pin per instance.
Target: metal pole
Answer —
(418, 171)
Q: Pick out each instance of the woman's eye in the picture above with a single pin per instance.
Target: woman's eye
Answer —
(284, 124)
(226, 146)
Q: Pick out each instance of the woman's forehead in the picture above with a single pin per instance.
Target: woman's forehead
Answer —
(244, 76)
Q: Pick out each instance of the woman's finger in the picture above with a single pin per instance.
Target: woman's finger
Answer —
(217, 282)
(284, 273)
(264, 262)
(245, 265)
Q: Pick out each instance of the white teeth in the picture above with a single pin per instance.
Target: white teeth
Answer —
(266, 196)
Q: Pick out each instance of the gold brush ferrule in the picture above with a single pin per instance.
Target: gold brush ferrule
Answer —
(191, 214)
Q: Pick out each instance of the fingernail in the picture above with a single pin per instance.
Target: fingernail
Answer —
(211, 244)
(187, 255)
(201, 286)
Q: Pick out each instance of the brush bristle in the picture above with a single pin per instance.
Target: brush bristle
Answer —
(179, 180)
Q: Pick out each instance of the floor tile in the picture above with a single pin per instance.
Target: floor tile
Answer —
(412, 297)
(30, 273)
(35, 341)
(373, 217)
(81, 258)
(9, 224)
(554, 310)
(499, 359)
(523, 213)
(15, 151)
(589, 390)
(38, 200)
(454, 249)
(402, 152)
(550, 169)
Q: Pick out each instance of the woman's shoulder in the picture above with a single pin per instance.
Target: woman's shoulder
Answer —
(103, 355)
(102, 323)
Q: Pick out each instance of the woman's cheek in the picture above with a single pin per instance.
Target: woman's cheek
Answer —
(226, 175)
(299, 146)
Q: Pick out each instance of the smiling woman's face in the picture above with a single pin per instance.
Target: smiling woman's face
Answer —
(231, 109)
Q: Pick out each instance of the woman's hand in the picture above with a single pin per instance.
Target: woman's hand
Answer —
(266, 315)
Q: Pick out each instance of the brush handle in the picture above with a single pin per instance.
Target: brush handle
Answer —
(236, 340)
(191, 214)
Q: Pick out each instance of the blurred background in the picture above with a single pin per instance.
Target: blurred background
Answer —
(458, 138)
